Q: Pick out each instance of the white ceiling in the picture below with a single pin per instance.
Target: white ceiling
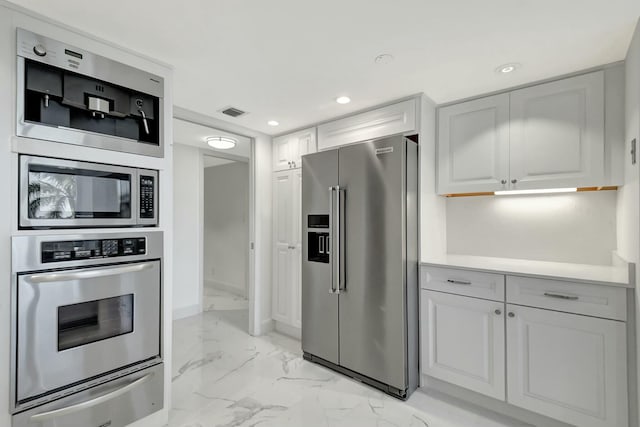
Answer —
(188, 133)
(288, 59)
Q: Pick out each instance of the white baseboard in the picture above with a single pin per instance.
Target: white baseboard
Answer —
(227, 287)
(188, 311)
(289, 330)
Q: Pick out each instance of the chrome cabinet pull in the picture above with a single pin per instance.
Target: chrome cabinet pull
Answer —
(498, 312)
(511, 314)
(503, 182)
(513, 181)
(90, 403)
(458, 282)
(561, 296)
(79, 275)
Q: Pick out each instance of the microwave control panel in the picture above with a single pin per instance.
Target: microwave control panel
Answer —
(147, 203)
(77, 250)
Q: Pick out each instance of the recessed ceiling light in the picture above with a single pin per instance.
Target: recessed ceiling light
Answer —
(273, 123)
(384, 58)
(221, 142)
(508, 68)
(343, 100)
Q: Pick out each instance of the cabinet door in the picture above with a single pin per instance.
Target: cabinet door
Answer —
(302, 143)
(282, 185)
(463, 342)
(393, 119)
(281, 153)
(557, 134)
(473, 146)
(566, 366)
(296, 251)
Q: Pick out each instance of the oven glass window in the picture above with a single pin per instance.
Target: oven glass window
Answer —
(65, 193)
(91, 321)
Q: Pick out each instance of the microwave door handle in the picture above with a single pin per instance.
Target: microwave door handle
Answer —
(90, 403)
(80, 275)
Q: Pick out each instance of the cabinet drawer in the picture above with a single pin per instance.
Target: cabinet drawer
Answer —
(572, 297)
(463, 282)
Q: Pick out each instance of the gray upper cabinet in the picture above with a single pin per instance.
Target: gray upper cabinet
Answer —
(557, 133)
(473, 146)
(394, 119)
(289, 149)
(550, 135)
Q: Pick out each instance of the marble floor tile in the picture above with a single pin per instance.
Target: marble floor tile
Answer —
(218, 300)
(223, 377)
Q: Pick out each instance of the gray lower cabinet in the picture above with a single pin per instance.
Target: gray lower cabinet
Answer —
(542, 345)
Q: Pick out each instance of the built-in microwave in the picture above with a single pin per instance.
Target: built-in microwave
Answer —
(66, 94)
(56, 193)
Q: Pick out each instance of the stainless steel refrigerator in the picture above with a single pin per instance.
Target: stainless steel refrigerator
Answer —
(359, 262)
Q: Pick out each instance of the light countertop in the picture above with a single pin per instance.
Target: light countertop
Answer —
(598, 274)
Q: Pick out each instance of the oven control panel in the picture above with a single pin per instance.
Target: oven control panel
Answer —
(76, 250)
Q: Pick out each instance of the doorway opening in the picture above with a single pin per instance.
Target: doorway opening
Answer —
(226, 239)
(212, 224)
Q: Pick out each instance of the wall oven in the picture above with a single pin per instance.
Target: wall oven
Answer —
(57, 193)
(86, 322)
(69, 95)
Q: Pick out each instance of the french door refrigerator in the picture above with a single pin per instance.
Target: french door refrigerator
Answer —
(359, 262)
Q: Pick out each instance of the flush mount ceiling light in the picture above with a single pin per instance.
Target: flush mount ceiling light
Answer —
(343, 100)
(385, 58)
(221, 142)
(273, 123)
(508, 68)
(547, 191)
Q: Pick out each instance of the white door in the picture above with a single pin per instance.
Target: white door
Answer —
(567, 366)
(281, 153)
(296, 251)
(557, 133)
(473, 146)
(463, 341)
(302, 143)
(282, 210)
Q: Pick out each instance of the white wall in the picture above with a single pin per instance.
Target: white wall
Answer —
(628, 195)
(187, 208)
(226, 226)
(576, 227)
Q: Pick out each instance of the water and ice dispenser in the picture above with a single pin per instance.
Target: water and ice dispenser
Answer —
(318, 238)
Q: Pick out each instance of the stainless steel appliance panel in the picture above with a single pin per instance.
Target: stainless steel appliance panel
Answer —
(320, 304)
(34, 47)
(76, 324)
(373, 312)
(114, 404)
(57, 193)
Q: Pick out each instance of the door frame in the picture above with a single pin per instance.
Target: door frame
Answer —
(254, 326)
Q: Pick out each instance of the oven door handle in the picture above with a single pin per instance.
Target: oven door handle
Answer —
(89, 274)
(92, 402)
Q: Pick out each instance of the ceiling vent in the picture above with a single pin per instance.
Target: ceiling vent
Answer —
(233, 112)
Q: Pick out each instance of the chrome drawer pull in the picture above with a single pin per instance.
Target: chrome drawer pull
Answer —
(458, 282)
(561, 296)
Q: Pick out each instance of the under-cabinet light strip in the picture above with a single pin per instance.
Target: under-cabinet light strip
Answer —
(543, 191)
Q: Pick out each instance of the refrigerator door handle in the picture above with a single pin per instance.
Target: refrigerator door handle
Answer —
(332, 287)
(340, 261)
